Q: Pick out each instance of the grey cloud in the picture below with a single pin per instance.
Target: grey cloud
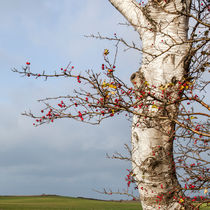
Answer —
(66, 157)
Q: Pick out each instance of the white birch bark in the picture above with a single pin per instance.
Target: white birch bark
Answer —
(163, 32)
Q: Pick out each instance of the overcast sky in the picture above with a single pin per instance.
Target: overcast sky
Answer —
(66, 157)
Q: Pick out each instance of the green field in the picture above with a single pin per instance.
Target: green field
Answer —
(205, 207)
(65, 203)
(61, 203)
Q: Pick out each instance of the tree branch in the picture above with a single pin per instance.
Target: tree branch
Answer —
(131, 11)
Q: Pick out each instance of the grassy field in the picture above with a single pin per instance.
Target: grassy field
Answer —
(61, 203)
(205, 207)
(64, 203)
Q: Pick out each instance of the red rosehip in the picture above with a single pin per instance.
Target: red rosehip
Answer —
(102, 66)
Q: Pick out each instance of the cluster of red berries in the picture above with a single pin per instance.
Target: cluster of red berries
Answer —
(78, 79)
(80, 115)
(130, 178)
(68, 69)
(109, 70)
(141, 3)
(49, 116)
(62, 105)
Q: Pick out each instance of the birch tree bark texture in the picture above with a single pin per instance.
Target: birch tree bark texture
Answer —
(163, 30)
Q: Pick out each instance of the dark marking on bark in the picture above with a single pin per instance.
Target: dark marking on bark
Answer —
(135, 80)
(133, 77)
(174, 80)
(173, 59)
(135, 137)
(160, 4)
(150, 165)
(138, 79)
(169, 58)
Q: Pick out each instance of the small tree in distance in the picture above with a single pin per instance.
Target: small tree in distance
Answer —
(167, 103)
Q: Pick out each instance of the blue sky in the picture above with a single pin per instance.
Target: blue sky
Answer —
(66, 157)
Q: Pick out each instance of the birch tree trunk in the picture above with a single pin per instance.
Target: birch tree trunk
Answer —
(163, 30)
